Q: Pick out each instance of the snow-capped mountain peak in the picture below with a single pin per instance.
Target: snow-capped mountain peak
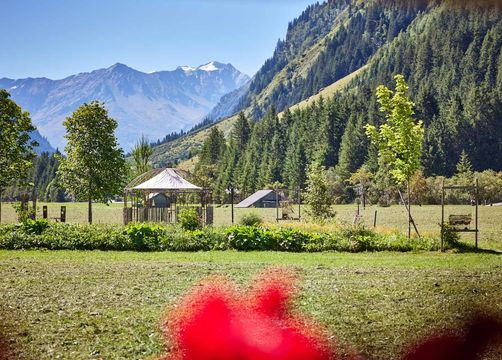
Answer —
(187, 68)
(208, 67)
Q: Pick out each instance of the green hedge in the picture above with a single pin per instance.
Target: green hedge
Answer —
(154, 237)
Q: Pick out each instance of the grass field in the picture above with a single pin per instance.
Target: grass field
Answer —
(98, 305)
(427, 217)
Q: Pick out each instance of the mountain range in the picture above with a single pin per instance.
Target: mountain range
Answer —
(152, 104)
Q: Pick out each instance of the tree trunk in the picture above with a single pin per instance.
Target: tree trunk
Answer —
(1, 206)
(409, 211)
(89, 214)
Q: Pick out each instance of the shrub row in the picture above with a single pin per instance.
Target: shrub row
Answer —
(153, 237)
(349, 239)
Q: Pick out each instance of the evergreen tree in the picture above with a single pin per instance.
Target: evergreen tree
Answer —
(295, 162)
(317, 194)
(141, 154)
(353, 148)
(464, 165)
(241, 132)
(213, 147)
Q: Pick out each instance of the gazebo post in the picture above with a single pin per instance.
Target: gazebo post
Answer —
(147, 206)
(175, 217)
(137, 208)
(125, 213)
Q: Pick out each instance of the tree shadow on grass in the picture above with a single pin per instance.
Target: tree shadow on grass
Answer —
(467, 248)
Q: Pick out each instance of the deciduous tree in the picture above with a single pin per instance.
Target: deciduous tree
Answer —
(400, 139)
(16, 148)
(95, 168)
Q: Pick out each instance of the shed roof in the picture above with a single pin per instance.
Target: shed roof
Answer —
(251, 200)
(167, 179)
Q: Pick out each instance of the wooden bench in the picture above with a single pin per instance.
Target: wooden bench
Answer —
(460, 220)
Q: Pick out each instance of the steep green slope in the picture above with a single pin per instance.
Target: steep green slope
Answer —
(358, 30)
(451, 57)
(179, 149)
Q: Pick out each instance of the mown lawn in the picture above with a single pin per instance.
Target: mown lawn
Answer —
(85, 305)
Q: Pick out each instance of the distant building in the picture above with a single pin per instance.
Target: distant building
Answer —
(159, 200)
(260, 199)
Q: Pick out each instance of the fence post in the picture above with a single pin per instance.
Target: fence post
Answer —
(34, 203)
(63, 214)
(375, 219)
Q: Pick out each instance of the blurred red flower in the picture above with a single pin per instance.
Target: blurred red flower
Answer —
(216, 322)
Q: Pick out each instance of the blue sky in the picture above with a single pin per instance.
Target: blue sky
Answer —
(57, 38)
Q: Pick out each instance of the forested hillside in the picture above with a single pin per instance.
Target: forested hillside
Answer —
(449, 54)
(41, 181)
(454, 69)
(327, 42)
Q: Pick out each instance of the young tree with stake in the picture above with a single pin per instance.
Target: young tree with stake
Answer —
(95, 167)
(400, 139)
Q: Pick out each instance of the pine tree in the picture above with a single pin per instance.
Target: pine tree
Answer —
(317, 194)
(353, 148)
(241, 132)
(295, 162)
(213, 147)
(464, 165)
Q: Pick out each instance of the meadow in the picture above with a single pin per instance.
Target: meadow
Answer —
(427, 217)
(109, 305)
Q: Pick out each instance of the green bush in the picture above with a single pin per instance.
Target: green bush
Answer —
(189, 219)
(451, 238)
(247, 238)
(35, 227)
(144, 236)
(177, 239)
(251, 219)
(155, 237)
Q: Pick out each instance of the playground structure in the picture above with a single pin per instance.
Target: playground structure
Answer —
(160, 194)
(285, 200)
(461, 222)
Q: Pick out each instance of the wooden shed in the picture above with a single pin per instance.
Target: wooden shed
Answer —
(260, 199)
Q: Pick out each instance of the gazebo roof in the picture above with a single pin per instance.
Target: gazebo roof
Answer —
(158, 180)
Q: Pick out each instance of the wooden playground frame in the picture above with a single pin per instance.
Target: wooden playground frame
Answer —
(462, 220)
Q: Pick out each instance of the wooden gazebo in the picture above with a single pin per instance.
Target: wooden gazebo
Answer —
(159, 194)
